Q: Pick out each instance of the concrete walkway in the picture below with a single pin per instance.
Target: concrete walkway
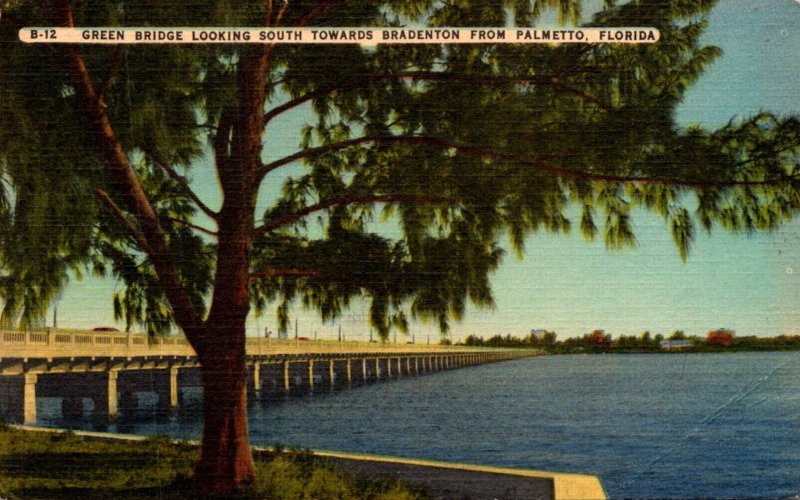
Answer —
(447, 480)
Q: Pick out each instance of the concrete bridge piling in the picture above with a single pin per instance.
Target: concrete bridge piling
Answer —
(115, 370)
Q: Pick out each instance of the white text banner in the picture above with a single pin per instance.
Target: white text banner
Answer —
(362, 36)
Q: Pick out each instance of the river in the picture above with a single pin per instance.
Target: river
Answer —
(650, 425)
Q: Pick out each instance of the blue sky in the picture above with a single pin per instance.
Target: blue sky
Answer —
(563, 284)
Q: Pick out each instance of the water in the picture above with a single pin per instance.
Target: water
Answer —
(651, 426)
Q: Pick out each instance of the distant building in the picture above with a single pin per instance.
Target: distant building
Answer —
(721, 337)
(673, 345)
(599, 337)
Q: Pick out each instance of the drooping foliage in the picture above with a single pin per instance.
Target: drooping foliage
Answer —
(414, 160)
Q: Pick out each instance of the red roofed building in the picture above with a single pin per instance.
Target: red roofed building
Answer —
(721, 337)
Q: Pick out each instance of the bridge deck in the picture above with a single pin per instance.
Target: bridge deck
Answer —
(75, 343)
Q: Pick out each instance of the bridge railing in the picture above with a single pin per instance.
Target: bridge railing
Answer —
(59, 343)
(81, 343)
(290, 346)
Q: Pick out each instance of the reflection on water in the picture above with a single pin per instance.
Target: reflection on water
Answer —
(651, 426)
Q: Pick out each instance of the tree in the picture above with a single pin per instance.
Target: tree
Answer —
(414, 162)
(678, 335)
(548, 340)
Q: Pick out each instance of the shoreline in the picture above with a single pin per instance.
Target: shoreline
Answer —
(444, 480)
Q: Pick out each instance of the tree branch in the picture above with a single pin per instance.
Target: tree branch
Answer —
(120, 215)
(413, 140)
(268, 13)
(237, 152)
(223, 131)
(194, 226)
(181, 181)
(362, 80)
(123, 175)
(303, 273)
(275, 273)
(537, 163)
(112, 71)
(529, 80)
(773, 154)
(349, 199)
(320, 9)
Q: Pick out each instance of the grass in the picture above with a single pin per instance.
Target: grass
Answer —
(38, 465)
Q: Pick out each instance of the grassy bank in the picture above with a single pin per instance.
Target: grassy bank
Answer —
(37, 465)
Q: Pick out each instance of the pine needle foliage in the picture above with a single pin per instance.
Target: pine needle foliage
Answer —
(412, 165)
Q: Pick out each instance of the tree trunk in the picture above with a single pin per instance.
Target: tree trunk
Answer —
(226, 461)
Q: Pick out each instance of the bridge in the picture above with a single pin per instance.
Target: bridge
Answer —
(113, 369)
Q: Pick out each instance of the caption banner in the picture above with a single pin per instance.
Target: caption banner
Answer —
(363, 36)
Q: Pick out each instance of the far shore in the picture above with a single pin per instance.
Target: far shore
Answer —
(721, 340)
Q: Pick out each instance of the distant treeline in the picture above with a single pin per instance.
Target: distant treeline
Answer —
(599, 341)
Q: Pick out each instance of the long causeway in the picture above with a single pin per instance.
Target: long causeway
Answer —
(113, 368)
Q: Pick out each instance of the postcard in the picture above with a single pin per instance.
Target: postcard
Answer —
(505, 249)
